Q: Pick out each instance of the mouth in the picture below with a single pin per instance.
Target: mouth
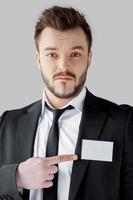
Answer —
(64, 78)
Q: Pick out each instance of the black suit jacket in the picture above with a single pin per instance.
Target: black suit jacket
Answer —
(90, 180)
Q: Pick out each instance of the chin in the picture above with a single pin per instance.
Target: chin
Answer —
(64, 95)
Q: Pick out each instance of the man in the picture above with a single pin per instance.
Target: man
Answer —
(94, 137)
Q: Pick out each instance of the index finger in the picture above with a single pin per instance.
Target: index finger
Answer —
(61, 158)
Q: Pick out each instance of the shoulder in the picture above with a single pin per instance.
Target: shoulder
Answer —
(15, 113)
(109, 107)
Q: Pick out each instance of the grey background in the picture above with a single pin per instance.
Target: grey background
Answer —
(110, 75)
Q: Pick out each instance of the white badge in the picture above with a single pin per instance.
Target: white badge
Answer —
(97, 150)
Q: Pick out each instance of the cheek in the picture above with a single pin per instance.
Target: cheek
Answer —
(79, 65)
(81, 74)
(80, 70)
(48, 67)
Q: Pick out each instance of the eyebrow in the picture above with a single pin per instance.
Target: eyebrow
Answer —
(50, 49)
(77, 47)
(54, 48)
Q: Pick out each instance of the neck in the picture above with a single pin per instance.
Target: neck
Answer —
(56, 102)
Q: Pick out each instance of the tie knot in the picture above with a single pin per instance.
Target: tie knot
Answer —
(58, 112)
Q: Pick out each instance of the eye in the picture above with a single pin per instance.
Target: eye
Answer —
(75, 54)
(52, 55)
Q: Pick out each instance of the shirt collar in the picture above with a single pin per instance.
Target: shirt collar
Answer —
(77, 102)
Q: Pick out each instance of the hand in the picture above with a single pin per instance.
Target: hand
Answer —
(36, 173)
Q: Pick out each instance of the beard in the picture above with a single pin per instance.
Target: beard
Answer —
(73, 90)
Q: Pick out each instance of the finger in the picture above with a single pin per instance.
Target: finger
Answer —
(61, 158)
(48, 184)
(50, 177)
(52, 169)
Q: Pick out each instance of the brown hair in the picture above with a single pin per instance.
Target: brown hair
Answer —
(62, 18)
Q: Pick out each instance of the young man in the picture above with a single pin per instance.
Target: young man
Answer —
(93, 135)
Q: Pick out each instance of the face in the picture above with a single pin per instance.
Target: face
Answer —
(63, 59)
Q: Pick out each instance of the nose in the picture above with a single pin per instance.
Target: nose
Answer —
(63, 65)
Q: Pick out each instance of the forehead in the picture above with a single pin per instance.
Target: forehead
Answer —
(67, 38)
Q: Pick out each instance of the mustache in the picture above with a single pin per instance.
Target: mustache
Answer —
(64, 74)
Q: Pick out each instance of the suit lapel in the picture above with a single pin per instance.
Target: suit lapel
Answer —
(26, 130)
(90, 128)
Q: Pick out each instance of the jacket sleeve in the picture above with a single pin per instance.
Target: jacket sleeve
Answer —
(127, 161)
(8, 187)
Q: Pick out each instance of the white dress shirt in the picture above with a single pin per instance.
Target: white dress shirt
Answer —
(68, 133)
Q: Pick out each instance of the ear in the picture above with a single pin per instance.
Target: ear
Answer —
(89, 58)
(37, 59)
